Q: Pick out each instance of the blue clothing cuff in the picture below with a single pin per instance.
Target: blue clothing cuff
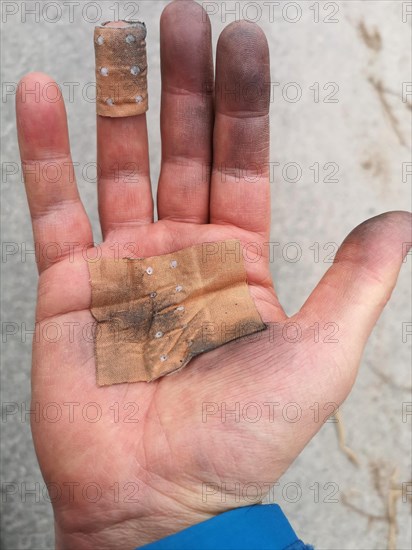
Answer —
(258, 527)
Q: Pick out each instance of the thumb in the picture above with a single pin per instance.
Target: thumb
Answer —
(356, 288)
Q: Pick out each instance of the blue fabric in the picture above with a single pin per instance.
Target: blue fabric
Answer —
(299, 545)
(259, 527)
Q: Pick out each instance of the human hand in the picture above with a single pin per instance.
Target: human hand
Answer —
(152, 473)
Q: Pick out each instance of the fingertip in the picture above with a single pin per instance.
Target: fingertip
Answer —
(382, 239)
(40, 113)
(244, 33)
(184, 30)
(39, 96)
(243, 67)
(37, 88)
(36, 76)
(179, 10)
(398, 220)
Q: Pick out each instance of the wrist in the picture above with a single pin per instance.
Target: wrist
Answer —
(129, 533)
(256, 526)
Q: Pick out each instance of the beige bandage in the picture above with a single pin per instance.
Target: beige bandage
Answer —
(121, 68)
(154, 314)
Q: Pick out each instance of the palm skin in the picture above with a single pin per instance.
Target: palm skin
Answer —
(161, 455)
(140, 453)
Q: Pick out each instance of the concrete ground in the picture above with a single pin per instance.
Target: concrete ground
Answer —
(354, 52)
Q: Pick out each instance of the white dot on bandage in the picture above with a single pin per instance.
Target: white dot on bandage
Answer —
(130, 39)
(104, 71)
(135, 70)
(100, 40)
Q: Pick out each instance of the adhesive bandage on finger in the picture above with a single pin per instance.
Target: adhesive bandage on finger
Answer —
(121, 68)
(155, 314)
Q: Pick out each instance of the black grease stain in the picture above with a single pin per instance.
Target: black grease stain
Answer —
(133, 324)
(147, 314)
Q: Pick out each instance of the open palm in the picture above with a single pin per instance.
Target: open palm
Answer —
(130, 463)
